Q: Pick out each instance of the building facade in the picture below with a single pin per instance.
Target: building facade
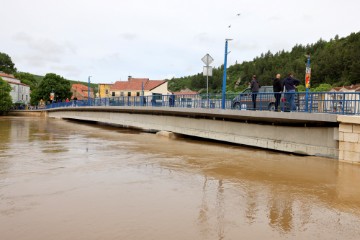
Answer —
(135, 86)
(20, 92)
(104, 90)
(80, 92)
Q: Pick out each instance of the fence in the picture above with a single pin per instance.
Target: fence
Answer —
(312, 102)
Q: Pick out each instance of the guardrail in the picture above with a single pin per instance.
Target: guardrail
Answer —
(315, 102)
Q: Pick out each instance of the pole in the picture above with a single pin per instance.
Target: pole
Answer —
(224, 76)
(142, 94)
(207, 86)
(89, 90)
(307, 83)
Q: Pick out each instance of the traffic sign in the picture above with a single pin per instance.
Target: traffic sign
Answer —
(207, 59)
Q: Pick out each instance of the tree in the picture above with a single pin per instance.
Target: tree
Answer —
(324, 87)
(51, 83)
(27, 78)
(6, 64)
(5, 98)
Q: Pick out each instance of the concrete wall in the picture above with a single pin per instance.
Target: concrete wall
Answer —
(32, 113)
(349, 138)
(315, 140)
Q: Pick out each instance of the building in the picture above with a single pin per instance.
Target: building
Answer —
(104, 90)
(80, 91)
(346, 101)
(20, 92)
(134, 87)
(351, 88)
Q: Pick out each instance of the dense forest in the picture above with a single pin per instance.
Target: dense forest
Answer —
(333, 63)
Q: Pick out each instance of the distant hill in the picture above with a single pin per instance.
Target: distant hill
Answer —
(335, 62)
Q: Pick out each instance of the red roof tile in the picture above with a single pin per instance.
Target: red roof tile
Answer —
(2, 74)
(135, 84)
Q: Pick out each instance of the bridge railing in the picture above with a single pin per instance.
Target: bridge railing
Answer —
(312, 102)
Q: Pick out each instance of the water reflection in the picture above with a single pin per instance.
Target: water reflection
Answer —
(147, 186)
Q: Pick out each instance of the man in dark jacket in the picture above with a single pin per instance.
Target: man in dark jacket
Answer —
(278, 88)
(290, 84)
(254, 86)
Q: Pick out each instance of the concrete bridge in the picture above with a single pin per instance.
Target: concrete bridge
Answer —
(317, 134)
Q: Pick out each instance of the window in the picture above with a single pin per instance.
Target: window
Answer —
(113, 94)
(107, 91)
(122, 94)
(129, 94)
(137, 94)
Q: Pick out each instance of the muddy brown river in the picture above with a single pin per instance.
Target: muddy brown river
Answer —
(64, 180)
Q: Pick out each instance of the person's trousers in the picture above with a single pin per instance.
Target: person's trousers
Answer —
(277, 100)
(290, 98)
(253, 98)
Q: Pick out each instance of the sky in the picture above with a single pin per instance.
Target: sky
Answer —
(110, 40)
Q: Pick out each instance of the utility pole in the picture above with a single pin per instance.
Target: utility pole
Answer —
(224, 76)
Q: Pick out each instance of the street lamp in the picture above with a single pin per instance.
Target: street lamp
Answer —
(224, 76)
(89, 90)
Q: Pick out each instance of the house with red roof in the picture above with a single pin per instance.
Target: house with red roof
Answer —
(351, 88)
(135, 86)
(80, 91)
(20, 92)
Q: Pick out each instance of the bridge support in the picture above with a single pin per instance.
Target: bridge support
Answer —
(349, 138)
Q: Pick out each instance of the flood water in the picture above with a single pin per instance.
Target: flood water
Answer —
(71, 180)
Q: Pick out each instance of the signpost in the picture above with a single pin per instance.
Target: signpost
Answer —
(307, 82)
(207, 71)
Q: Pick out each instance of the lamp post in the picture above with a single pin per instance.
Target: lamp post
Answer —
(224, 76)
(89, 101)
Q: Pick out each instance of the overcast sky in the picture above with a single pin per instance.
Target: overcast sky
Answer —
(157, 39)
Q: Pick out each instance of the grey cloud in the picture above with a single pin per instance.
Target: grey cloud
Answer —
(274, 18)
(68, 70)
(204, 38)
(39, 60)
(128, 36)
(44, 46)
(246, 46)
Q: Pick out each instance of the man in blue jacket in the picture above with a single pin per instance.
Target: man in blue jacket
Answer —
(290, 84)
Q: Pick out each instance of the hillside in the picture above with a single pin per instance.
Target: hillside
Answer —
(335, 62)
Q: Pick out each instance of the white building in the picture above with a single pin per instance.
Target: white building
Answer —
(20, 92)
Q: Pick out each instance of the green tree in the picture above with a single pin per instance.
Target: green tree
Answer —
(51, 83)
(335, 62)
(6, 64)
(5, 98)
(324, 87)
(27, 78)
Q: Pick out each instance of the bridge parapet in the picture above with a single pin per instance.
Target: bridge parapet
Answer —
(349, 138)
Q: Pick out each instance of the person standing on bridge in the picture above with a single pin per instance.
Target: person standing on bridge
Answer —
(278, 88)
(290, 84)
(254, 86)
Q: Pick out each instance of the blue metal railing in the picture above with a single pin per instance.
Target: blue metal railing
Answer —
(318, 102)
